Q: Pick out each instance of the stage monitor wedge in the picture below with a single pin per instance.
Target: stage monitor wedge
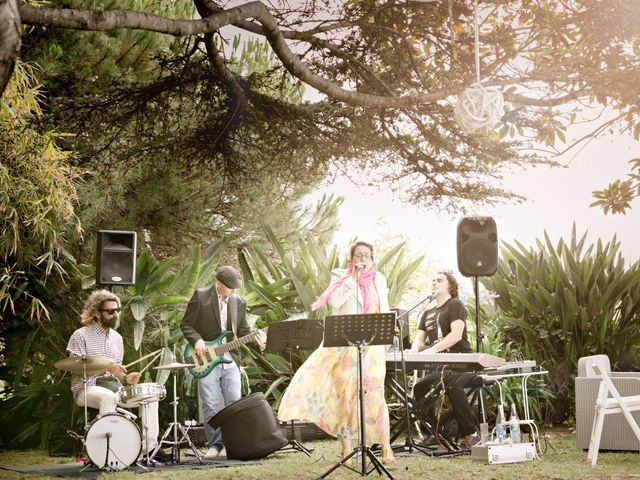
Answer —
(477, 245)
(116, 257)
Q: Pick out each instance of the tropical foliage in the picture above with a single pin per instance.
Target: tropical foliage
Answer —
(276, 289)
(286, 286)
(152, 311)
(37, 201)
(540, 395)
(557, 303)
(619, 194)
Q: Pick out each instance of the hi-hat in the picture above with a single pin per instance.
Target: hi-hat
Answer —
(89, 364)
(175, 366)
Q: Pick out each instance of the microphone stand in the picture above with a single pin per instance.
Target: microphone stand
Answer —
(409, 444)
(361, 441)
(357, 290)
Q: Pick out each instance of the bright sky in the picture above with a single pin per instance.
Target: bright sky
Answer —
(557, 198)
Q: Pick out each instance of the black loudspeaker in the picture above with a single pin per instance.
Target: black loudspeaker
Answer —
(477, 244)
(249, 428)
(116, 258)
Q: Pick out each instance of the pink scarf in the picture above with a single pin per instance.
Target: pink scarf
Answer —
(365, 281)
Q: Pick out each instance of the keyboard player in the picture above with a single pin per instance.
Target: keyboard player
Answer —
(443, 329)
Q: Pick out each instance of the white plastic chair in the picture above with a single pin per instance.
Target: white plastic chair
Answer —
(609, 401)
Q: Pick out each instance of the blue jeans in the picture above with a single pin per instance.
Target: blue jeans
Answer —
(227, 381)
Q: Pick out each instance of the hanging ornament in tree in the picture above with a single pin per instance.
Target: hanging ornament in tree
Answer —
(479, 109)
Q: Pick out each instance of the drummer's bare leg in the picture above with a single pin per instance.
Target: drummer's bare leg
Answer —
(99, 398)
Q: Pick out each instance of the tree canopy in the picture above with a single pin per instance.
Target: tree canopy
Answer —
(388, 73)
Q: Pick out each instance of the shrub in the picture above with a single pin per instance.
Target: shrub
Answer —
(559, 303)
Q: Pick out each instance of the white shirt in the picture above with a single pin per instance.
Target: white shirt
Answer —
(223, 313)
(223, 303)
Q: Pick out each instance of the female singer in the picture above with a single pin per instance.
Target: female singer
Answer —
(324, 390)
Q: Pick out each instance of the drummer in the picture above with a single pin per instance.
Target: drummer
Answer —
(97, 337)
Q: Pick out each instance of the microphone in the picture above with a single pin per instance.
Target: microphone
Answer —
(434, 295)
(428, 298)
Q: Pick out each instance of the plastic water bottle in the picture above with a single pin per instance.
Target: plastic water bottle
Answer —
(514, 425)
(501, 428)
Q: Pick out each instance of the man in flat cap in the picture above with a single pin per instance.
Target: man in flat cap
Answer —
(212, 311)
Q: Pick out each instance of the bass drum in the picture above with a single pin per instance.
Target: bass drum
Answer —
(113, 442)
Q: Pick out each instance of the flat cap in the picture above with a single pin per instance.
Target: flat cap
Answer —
(229, 277)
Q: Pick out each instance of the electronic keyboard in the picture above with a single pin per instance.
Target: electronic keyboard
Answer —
(466, 362)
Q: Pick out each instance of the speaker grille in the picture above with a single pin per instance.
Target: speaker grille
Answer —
(477, 246)
(116, 257)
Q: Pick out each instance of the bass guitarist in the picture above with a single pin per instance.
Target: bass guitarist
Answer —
(211, 312)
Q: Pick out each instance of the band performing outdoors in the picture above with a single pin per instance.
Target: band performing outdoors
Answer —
(319, 239)
(437, 386)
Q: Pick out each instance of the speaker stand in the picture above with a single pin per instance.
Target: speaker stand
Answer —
(479, 339)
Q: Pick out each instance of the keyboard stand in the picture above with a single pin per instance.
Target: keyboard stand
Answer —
(420, 422)
(524, 378)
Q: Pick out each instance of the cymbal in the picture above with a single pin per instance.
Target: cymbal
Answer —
(93, 364)
(173, 367)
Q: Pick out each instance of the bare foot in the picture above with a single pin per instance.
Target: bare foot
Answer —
(387, 456)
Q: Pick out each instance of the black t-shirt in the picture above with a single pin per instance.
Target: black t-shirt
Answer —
(436, 322)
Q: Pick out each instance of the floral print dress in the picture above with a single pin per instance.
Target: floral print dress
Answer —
(324, 390)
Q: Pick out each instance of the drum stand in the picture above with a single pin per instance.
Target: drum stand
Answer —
(175, 427)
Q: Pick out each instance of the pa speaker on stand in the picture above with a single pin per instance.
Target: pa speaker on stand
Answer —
(477, 245)
(116, 257)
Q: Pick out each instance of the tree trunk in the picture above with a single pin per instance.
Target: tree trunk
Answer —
(10, 35)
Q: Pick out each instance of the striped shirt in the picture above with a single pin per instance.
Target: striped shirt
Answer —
(93, 340)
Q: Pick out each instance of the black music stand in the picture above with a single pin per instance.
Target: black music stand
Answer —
(290, 336)
(360, 331)
(294, 335)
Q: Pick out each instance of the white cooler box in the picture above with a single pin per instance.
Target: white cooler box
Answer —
(503, 452)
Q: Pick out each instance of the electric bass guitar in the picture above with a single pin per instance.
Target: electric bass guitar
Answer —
(214, 355)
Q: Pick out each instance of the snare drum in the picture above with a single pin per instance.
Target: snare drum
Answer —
(113, 442)
(141, 392)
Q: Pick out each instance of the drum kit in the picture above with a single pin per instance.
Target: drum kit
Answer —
(113, 441)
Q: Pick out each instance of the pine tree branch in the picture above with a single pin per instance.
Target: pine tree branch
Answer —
(114, 19)
(10, 39)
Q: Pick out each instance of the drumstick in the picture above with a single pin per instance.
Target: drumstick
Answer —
(142, 358)
(151, 362)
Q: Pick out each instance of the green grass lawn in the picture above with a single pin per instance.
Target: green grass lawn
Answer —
(561, 460)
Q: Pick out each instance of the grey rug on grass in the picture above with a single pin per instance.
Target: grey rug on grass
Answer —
(74, 469)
